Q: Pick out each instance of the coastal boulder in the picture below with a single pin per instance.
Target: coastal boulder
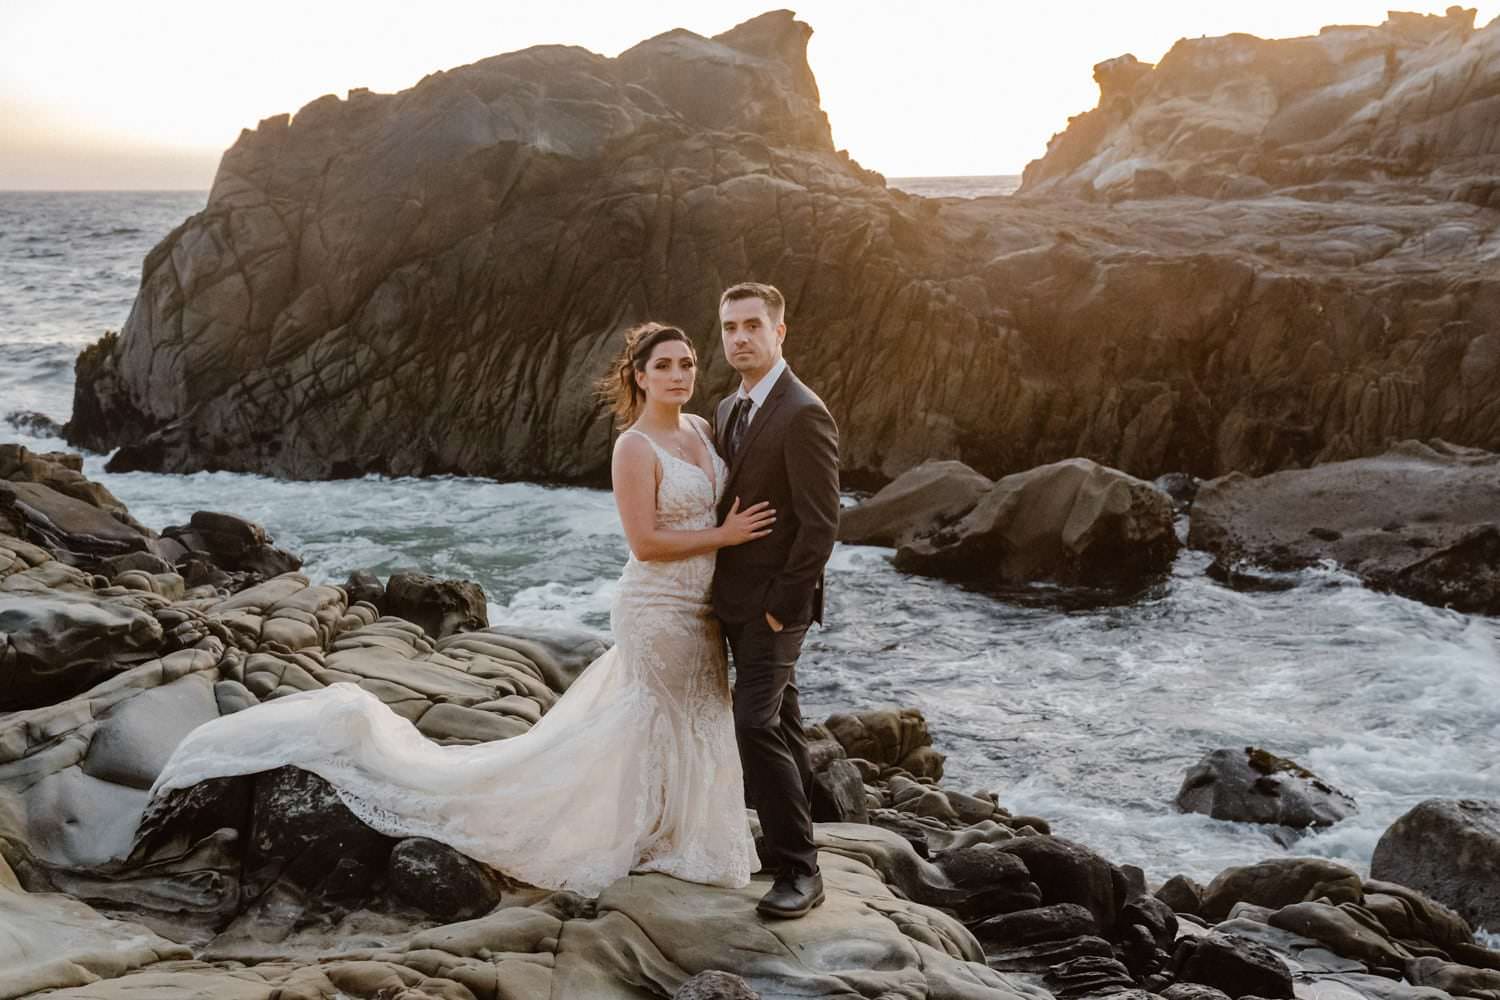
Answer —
(55, 644)
(893, 737)
(440, 607)
(1278, 882)
(1421, 520)
(1235, 965)
(917, 502)
(1255, 786)
(1448, 849)
(1074, 522)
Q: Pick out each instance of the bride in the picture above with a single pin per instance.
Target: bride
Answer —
(636, 767)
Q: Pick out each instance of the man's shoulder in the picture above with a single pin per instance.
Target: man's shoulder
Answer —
(801, 395)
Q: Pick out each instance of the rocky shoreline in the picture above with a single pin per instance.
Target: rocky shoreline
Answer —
(266, 886)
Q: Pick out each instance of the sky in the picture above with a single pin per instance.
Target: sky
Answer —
(98, 94)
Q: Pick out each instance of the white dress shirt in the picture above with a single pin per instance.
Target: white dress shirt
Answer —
(757, 396)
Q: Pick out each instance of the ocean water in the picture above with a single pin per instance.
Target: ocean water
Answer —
(1086, 717)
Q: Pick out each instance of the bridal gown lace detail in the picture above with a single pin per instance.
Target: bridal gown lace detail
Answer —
(635, 768)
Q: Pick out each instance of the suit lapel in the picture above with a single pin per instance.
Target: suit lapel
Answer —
(762, 418)
(721, 425)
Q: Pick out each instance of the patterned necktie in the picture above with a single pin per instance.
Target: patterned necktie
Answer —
(739, 419)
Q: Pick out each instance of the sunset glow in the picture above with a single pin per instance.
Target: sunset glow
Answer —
(103, 95)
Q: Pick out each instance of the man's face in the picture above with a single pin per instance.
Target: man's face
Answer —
(752, 343)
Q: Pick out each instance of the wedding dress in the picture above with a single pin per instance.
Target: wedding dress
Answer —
(634, 768)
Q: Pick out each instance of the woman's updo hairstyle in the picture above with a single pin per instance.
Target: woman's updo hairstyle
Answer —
(618, 387)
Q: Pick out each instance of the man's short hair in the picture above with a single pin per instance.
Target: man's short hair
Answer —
(775, 302)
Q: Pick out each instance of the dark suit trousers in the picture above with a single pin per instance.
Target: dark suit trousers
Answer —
(773, 749)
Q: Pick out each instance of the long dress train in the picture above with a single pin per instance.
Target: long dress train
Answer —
(634, 768)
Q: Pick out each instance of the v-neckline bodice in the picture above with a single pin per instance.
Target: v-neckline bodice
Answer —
(711, 479)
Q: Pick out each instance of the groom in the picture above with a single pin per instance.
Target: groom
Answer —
(782, 446)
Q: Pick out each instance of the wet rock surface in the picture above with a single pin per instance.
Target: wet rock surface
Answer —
(1252, 785)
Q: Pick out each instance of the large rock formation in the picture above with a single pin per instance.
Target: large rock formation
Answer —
(459, 260)
(1407, 101)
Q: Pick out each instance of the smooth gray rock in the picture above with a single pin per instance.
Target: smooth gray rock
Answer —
(59, 644)
(1448, 849)
(917, 502)
(136, 737)
(1252, 785)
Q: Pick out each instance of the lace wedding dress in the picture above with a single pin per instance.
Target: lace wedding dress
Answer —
(634, 768)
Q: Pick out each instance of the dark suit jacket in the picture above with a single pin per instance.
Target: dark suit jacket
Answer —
(790, 456)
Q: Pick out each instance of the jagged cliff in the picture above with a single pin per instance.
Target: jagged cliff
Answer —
(428, 281)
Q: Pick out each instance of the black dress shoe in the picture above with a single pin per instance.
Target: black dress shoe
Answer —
(792, 896)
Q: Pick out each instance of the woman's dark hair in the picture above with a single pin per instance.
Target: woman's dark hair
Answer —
(618, 386)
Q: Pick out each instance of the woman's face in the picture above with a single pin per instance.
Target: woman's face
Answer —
(670, 373)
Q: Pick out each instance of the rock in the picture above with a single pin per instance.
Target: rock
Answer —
(917, 502)
(715, 986)
(438, 880)
(1155, 917)
(838, 794)
(990, 882)
(1336, 106)
(63, 473)
(1276, 882)
(1255, 786)
(301, 830)
(233, 544)
(897, 737)
(1068, 872)
(147, 562)
(440, 607)
(1182, 894)
(1234, 965)
(50, 942)
(1459, 980)
(59, 644)
(1448, 849)
(1314, 325)
(363, 585)
(73, 530)
(1408, 916)
(1192, 991)
(1058, 922)
(1346, 930)
(1419, 520)
(1044, 955)
(1074, 522)
(1090, 974)
(33, 423)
